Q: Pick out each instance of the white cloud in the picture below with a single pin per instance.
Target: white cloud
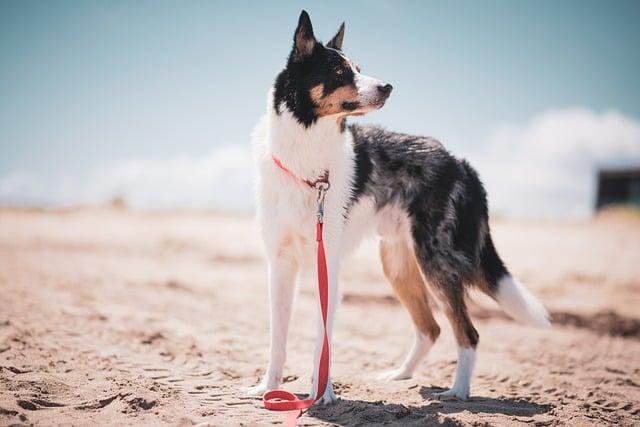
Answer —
(547, 168)
(221, 180)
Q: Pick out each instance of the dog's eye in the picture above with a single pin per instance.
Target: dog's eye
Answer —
(339, 72)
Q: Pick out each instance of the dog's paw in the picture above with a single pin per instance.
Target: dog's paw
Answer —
(328, 397)
(259, 390)
(394, 375)
(452, 394)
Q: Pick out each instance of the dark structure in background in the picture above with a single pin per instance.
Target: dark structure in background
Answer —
(618, 187)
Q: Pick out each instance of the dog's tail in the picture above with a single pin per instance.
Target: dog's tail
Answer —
(516, 300)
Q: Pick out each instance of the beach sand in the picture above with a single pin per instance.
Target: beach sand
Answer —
(109, 317)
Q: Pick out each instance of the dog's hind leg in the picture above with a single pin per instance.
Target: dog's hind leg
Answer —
(282, 276)
(401, 269)
(467, 339)
(441, 271)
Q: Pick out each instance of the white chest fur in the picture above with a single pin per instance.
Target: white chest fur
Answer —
(287, 207)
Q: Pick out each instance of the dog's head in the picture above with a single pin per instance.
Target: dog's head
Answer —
(321, 81)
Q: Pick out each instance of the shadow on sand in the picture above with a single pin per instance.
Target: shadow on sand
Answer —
(434, 412)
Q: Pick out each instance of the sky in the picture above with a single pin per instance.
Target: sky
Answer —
(154, 101)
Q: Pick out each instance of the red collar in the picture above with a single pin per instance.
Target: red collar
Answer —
(324, 179)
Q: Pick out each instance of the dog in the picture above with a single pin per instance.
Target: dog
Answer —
(428, 208)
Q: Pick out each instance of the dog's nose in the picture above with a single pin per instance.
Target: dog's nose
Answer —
(385, 89)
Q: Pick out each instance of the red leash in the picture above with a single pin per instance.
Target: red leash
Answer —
(281, 400)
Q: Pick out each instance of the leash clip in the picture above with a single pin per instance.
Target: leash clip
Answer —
(322, 188)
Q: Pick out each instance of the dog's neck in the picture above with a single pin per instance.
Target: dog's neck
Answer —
(305, 151)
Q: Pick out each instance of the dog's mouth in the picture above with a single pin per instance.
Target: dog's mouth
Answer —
(358, 108)
(380, 103)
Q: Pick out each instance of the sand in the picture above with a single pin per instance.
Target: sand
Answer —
(117, 318)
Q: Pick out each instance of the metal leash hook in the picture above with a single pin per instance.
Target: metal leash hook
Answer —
(322, 188)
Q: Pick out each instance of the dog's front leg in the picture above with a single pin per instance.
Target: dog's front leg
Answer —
(332, 236)
(282, 277)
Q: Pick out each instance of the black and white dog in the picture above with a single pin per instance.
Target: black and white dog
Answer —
(428, 207)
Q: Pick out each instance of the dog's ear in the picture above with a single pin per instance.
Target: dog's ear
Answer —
(303, 40)
(336, 41)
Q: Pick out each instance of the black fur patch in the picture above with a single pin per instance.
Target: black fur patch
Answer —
(363, 169)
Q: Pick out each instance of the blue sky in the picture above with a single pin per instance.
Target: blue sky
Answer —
(87, 84)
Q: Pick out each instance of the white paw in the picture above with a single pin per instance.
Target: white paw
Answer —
(328, 397)
(453, 393)
(394, 375)
(260, 389)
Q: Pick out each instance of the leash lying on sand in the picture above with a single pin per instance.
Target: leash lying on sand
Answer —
(282, 400)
